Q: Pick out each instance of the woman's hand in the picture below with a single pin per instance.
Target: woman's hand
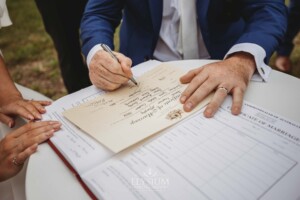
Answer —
(18, 145)
(13, 106)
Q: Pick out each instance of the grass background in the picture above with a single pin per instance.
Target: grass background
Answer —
(31, 58)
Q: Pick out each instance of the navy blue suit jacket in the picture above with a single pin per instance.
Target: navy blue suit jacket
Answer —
(223, 23)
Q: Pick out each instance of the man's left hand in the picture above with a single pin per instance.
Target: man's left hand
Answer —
(230, 76)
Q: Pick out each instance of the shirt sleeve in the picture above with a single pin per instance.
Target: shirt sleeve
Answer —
(91, 53)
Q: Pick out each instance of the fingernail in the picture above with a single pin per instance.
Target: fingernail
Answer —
(208, 112)
(10, 124)
(188, 106)
(50, 133)
(182, 99)
(235, 111)
(56, 125)
(30, 117)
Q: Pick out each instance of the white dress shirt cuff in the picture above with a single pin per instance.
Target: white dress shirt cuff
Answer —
(263, 71)
(92, 52)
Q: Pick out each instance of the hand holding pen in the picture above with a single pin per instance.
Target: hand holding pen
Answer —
(108, 50)
(109, 70)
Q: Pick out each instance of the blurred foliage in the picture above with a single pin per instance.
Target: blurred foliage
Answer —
(29, 52)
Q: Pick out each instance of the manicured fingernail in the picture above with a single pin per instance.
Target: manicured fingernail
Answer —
(30, 117)
(182, 99)
(188, 106)
(50, 133)
(39, 116)
(56, 125)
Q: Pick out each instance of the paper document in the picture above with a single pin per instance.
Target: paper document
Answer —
(254, 155)
(130, 114)
(81, 151)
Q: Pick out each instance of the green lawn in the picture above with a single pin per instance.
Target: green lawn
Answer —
(29, 52)
(30, 55)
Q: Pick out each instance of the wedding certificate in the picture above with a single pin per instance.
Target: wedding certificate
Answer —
(132, 113)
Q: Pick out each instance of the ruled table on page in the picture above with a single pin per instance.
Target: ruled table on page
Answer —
(223, 163)
(227, 157)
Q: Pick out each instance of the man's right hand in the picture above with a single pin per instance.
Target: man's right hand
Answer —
(107, 73)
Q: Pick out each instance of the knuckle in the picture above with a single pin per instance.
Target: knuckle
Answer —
(128, 61)
(6, 147)
(29, 126)
(19, 109)
(205, 87)
(108, 61)
(21, 146)
(197, 79)
(112, 87)
(103, 72)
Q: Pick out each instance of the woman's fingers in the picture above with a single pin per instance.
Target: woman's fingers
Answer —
(30, 127)
(9, 121)
(20, 159)
(29, 110)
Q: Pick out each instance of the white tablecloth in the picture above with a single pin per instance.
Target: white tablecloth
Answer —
(14, 188)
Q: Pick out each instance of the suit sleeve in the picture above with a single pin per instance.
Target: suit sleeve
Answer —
(266, 22)
(99, 21)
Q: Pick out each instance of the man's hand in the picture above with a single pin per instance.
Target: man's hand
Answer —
(107, 73)
(13, 106)
(18, 145)
(232, 74)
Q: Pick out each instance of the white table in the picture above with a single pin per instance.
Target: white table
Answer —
(14, 187)
(48, 178)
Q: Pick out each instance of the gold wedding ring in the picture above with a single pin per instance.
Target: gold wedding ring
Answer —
(224, 89)
(15, 162)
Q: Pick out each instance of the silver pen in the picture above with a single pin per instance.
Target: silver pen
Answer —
(108, 50)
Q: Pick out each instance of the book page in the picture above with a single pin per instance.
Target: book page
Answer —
(82, 151)
(132, 113)
(251, 156)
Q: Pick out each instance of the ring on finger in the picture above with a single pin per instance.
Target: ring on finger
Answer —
(16, 163)
(223, 89)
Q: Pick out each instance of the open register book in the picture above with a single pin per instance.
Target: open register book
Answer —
(254, 155)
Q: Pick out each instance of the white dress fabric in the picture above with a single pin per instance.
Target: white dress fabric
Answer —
(4, 16)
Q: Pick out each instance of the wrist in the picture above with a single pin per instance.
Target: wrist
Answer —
(11, 98)
(245, 60)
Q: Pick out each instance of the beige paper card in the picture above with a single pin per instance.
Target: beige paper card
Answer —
(132, 113)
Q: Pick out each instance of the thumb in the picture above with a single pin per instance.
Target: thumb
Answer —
(125, 63)
(127, 70)
(9, 121)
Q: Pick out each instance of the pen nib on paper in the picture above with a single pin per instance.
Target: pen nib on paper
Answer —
(134, 81)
